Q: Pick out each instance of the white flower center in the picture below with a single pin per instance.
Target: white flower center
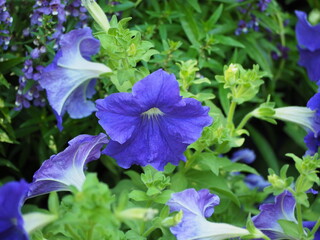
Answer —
(153, 112)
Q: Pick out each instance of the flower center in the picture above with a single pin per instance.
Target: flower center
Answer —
(153, 112)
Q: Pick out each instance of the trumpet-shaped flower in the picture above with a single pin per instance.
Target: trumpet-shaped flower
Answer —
(282, 209)
(68, 80)
(196, 206)
(12, 196)
(153, 125)
(308, 37)
(67, 167)
(303, 116)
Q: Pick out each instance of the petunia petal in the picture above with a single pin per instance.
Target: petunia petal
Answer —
(306, 33)
(66, 168)
(148, 145)
(185, 122)
(196, 205)
(199, 203)
(66, 79)
(310, 60)
(12, 196)
(119, 115)
(153, 125)
(267, 220)
(157, 90)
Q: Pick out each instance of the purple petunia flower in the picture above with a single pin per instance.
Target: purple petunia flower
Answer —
(12, 196)
(153, 125)
(282, 209)
(66, 168)
(68, 79)
(196, 206)
(308, 37)
(244, 155)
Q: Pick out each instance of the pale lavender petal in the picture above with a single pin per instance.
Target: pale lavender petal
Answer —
(196, 205)
(67, 78)
(199, 203)
(67, 167)
(267, 220)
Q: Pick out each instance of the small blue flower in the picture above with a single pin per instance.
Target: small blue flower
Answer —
(267, 220)
(244, 155)
(67, 79)
(254, 181)
(196, 207)
(66, 168)
(12, 196)
(308, 37)
(153, 125)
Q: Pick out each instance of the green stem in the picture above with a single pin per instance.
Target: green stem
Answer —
(72, 233)
(150, 230)
(299, 217)
(316, 226)
(231, 112)
(143, 225)
(244, 121)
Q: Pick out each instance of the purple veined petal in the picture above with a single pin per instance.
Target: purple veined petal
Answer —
(314, 103)
(196, 205)
(270, 213)
(67, 167)
(310, 60)
(149, 144)
(153, 125)
(185, 122)
(67, 78)
(12, 196)
(194, 202)
(306, 33)
(312, 143)
(157, 90)
(119, 116)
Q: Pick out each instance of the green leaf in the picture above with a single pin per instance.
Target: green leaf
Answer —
(229, 41)
(138, 196)
(195, 5)
(7, 65)
(164, 196)
(53, 203)
(214, 17)
(206, 179)
(8, 164)
(265, 149)
(4, 82)
(290, 228)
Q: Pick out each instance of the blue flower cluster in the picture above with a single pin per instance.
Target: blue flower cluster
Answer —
(59, 11)
(245, 25)
(5, 23)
